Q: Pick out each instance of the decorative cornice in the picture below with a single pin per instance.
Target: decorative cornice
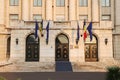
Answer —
(4, 33)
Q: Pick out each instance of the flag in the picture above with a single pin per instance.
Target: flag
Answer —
(89, 28)
(47, 29)
(41, 28)
(85, 31)
(36, 29)
(78, 32)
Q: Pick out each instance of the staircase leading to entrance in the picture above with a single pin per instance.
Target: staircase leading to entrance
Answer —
(63, 66)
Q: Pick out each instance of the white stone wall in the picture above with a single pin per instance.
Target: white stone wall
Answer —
(117, 11)
(47, 52)
(116, 46)
(116, 32)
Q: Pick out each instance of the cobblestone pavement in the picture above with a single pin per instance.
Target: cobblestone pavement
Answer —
(50, 67)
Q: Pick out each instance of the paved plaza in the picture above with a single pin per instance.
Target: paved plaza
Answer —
(50, 66)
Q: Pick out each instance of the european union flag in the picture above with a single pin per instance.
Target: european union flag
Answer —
(89, 28)
(47, 29)
(36, 29)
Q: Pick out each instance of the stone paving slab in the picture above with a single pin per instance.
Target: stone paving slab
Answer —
(50, 67)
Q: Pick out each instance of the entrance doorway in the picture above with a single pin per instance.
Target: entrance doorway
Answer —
(8, 48)
(62, 48)
(91, 49)
(32, 48)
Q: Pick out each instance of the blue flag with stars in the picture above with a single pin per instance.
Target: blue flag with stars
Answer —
(36, 29)
(89, 28)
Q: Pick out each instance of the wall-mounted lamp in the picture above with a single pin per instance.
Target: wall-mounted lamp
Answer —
(16, 41)
(106, 41)
(77, 41)
(42, 35)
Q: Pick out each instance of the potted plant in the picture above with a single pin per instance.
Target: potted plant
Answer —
(113, 73)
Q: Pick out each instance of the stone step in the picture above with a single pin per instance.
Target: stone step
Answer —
(58, 66)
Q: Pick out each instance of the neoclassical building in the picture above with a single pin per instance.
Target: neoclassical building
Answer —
(17, 28)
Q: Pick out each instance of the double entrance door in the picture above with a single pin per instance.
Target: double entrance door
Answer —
(32, 48)
(62, 52)
(91, 53)
(32, 52)
(62, 48)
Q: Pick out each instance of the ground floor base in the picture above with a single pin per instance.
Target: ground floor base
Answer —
(51, 66)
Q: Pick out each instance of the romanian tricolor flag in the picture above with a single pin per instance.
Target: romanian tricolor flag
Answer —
(85, 31)
(41, 28)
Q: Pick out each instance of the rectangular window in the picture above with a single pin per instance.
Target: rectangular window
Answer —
(60, 3)
(105, 3)
(13, 19)
(83, 17)
(37, 3)
(37, 17)
(13, 16)
(14, 2)
(60, 17)
(83, 3)
(106, 17)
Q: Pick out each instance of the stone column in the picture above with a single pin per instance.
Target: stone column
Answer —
(2, 12)
(2, 36)
(72, 10)
(25, 10)
(95, 11)
(48, 9)
(3, 47)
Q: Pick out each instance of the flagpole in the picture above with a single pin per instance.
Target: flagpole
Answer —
(41, 28)
(78, 33)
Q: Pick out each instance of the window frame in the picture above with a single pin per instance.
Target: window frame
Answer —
(106, 19)
(83, 3)
(83, 16)
(60, 17)
(37, 15)
(13, 20)
(60, 5)
(37, 3)
(14, 3)
(105, 5)
(13, 14)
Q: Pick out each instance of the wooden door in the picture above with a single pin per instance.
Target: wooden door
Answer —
(62, 53)
(62, 48)
(32, 49)
(91, 53)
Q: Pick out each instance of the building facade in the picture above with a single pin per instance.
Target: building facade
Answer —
(17, 28)
(116, 31)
